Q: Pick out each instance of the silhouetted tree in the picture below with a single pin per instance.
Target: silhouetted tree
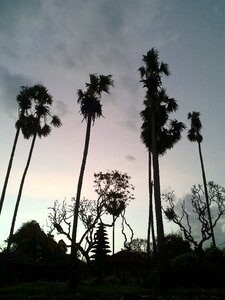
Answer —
(168, 133)
(199, 208)
(101, 246)
(157, 108)
(115, 189)
(176, 245)
(37, 126)
(32, 242)
(100, 250)
(194, 135)
(151, 74)
(138, 245)
(90, 109)
(107, 185)
(90, 212)
(24, 105)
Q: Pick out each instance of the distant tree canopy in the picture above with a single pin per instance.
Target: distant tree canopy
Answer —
(31, 243)
(174, 243)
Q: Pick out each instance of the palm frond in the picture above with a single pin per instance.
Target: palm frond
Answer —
(191, 135)
(24, 98)
(93, 86)
(44, 131)
(164, 68)
(56, 122)
(80, 95)
(142, 71)
(41, 95)
(172, 105)
(194, 134)
(41, 110)
(104, 83)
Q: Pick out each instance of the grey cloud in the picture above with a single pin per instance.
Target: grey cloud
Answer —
(9, 87)
(128, 124)
(61, 108)
(79, 34)
(130, 157)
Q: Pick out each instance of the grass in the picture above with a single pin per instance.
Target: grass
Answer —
(109, 290)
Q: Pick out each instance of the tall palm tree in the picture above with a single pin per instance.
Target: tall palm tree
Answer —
(90, 109)
(36, 126)
(194, 135)
(151, 73)
(24, 105)
(168, 133)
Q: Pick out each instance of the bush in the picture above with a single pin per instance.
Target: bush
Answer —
(185, 270)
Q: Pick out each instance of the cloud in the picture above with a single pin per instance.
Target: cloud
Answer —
(73, 34)
(130, 158)
(61, 108)
(9, 88)
(129, 124)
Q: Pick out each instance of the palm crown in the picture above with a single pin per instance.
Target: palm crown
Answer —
(36, 102)
(194, 134)
(90, 100)
(167, 136)
(152, 71)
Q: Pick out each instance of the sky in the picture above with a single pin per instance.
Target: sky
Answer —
(58, 44)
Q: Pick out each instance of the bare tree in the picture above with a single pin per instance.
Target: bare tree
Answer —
(199, 208)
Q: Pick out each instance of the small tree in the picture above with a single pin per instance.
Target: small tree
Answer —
(199, 208)
(115, 189)
(101, 246)
(100, 250)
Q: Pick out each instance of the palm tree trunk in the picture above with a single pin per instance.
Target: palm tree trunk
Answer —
(20, 194)
(9, 168)
(113, 235)
(206, 195)
(150, 216)
(161, 253)
(79, 187)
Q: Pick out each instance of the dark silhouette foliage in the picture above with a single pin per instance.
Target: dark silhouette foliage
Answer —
(100, 251)
(31, 243)
(101, 247)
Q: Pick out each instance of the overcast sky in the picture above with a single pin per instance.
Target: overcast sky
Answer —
(58, 43)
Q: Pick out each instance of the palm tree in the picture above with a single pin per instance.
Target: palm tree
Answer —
(90, 109)
(151, 74)
(36, 126)
(168, 133)
(24, 105)
(194, 135)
